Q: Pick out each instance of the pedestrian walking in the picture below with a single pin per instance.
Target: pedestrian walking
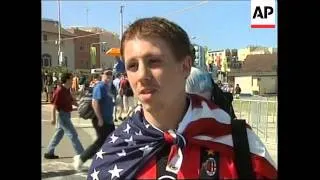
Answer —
(49, 87)
(118, 100)
(238, 91)
(62, 103)
(102, 103)
(127, 95)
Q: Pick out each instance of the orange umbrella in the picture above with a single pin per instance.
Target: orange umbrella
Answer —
(113, 52)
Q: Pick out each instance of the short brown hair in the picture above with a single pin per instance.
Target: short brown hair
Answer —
(156, 27)
(65, 76)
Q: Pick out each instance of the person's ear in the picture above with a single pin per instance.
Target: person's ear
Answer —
(186, 66)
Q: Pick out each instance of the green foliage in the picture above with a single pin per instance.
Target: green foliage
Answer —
(55, 69)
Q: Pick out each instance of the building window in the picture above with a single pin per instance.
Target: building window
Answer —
(104, 47)
(81, 47)
(65, 61)
(45, 37)
(46, 60)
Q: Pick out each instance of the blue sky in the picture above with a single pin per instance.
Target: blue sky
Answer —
(216, 24)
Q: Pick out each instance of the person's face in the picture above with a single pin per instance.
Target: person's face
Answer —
(155, 75)
(69, 81)
(106, 76)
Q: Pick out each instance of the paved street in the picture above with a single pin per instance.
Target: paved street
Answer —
(62, 168)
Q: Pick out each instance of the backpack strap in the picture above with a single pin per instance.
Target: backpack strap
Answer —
(223, 100)
(241, 149)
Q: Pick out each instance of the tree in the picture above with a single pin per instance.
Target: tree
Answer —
(55, 69)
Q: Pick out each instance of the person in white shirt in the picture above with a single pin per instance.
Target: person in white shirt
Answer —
(118, 101)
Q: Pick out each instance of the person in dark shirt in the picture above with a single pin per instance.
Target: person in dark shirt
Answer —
(49, 87)
(237, 91)
(62, 102)
(102, 103)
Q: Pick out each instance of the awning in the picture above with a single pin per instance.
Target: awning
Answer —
(113, 52)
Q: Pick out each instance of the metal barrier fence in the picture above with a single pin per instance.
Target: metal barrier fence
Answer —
(261, 115)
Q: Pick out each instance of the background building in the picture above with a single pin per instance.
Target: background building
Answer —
(258, 74)
(111, 41)
(102, 40)
(252, 50)
(49, 45)
(200, 61)
(82, 48)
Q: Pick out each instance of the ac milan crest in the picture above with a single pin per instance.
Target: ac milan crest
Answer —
(211, 166)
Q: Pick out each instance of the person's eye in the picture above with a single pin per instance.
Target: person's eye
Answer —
(132, 67)
(155, 62)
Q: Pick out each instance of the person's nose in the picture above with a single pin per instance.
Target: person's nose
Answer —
(143, 72)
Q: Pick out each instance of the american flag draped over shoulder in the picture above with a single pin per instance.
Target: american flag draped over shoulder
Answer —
(134, 144)
(129, 147)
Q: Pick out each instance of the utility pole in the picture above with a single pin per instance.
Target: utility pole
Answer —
(121, 21)
(87, 15)
(59, 36)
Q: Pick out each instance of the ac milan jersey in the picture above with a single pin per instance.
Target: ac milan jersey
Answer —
(201, 147)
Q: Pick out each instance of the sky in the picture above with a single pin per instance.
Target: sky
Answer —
(215, 24)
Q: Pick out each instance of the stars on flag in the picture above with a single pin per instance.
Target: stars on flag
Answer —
(146, 149)
(113, 138)
(127, 129)
(100, 154)
(115, 172)
(139, 133)
(123, 153)
(130, 141)
(94, 175)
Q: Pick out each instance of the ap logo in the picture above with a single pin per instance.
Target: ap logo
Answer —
(263, 14)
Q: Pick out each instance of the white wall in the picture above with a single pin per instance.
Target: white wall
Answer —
(262, 84)
(268, 84)
(245, 83)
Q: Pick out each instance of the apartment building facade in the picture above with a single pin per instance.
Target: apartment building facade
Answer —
(258, 75)
(252, 50)
(49, 45)
(108, 40)
(102, 40)
(82, 52)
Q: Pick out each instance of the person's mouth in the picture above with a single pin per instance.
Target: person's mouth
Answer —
(146, 94)
(147, 91)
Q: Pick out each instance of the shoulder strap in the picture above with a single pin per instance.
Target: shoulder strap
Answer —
(220, 99)
(241, 149)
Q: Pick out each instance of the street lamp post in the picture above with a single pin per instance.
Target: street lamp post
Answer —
(121, 21)
(59, 36)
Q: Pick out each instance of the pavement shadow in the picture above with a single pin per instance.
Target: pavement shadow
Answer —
(57, 173)
(64, 149)
(44, 102)
(85, 170)
(65, 157)
(61, 173)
